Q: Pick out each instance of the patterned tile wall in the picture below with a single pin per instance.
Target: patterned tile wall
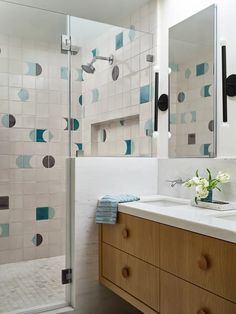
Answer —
(117, 99)
(33, 147)
(191, 115)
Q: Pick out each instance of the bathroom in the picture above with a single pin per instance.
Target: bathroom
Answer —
(131, 99)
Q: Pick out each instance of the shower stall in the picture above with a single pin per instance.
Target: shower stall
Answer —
(68, 87)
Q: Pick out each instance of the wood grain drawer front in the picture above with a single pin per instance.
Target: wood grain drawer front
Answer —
(180, 297)
(204, 261)
(136, 236)
(138, 278)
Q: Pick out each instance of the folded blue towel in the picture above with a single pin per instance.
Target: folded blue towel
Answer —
(108, 206)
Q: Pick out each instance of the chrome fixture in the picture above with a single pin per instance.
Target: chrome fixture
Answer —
(89, 68)
(66, 45)
(176, 181)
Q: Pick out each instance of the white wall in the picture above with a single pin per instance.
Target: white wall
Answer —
(95, 177)
(185, 168)
(174, 11)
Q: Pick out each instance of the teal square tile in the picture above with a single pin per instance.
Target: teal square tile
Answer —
(64, 73)
(119, 41)
(42, 213)
(173, 118)
(4, 230)
(202, 68)
(145, 94)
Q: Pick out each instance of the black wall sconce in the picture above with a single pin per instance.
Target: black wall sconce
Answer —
(161, 103)
(228, 84)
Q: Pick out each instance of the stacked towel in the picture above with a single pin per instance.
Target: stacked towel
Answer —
(107, 207)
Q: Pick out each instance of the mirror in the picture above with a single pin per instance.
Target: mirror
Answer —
(192, 86)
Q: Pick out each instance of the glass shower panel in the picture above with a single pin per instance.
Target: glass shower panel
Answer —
(34, 144)
(112, 98)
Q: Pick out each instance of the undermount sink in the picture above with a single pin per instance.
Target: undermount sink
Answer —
(164, 202)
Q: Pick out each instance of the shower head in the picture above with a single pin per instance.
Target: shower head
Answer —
(89, 68)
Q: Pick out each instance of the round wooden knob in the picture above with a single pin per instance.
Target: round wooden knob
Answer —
(203, 264)
(125, 272)
(125, 233)
(201, 312)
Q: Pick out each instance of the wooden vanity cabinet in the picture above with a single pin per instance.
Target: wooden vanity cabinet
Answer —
(167, 270)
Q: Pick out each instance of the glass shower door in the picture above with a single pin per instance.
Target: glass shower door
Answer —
(34, 145)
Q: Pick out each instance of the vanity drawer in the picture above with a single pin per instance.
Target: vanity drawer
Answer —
(136, 236)
(207, 262)
(136, 277)
(180, 297)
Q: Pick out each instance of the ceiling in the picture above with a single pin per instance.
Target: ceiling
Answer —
(111, 12)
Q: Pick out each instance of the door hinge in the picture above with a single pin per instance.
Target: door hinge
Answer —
(66, 276)
(66, 45)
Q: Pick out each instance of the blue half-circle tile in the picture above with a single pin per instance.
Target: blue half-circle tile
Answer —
(119, 41)
(74, 124)
(149, 127)
(205, 91)
(81, 100)
(34, 69)
(51, 212)
(8, 120)
(37, 239)
(80, 75)
(95, 52)
(103, 135)
(95, 95)
(129, 150)
(204, 149)
(23, 161)
(132, 33)
(188, 117)
(50, 136)
(38, 136)
(79, 146)
(23, 94)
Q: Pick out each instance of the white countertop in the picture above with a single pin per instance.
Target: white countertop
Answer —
(185, 216)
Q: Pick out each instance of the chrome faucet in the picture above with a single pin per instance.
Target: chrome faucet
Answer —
(176, 181)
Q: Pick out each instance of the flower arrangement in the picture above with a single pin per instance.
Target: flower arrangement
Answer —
(204, 187)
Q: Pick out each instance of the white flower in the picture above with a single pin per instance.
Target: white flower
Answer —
(202, 191)
(204, 182)
(223, 177)
(196, 180)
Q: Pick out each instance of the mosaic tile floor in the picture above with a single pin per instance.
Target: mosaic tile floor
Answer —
(31, 284)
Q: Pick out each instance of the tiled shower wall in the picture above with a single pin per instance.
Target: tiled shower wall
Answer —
(191, 115)
(117, 99)
(33, 148)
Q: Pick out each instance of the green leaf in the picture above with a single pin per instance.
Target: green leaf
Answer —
(197, 174)
(209, 173)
